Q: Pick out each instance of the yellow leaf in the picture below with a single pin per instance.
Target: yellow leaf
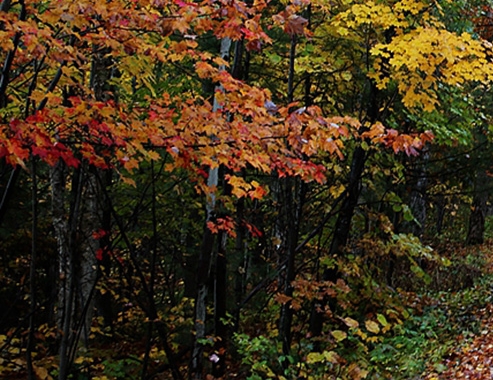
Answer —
(270, 373)
(331, 357)
(239, 186)
(83, 359)
(350, 322)
(37, 96)
(42, 373)
(372, 327)
(361, 334)
(258, 192)
(317, 357)
(373, 339)
(128, 181)
(356, 373)
(314, 357)
(339, 335)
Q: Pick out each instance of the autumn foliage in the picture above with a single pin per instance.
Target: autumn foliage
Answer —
(188, 163)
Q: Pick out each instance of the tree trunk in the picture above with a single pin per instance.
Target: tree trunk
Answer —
(4, 81)
(64, 226)
(88, 268)
(475, 234)
(342, 226)
(32, 271)
(205, 257)
(92, 207)
(417, 198)
(440, 205)
(220, 308)
(293, 200)
(290, 199)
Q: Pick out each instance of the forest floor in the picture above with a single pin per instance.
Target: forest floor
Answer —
(472, 358)
(470, 313)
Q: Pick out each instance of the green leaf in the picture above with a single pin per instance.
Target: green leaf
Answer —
(274, 58)
(408, 215)
(383, 321)
(397, 207)
(440, 367)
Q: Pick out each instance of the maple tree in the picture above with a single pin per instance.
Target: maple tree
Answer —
(190, 146)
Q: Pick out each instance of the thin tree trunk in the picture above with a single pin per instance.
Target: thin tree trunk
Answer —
(150, 308)
(417, 199)
(88, 272)
(203, 275)
(294, 194)
(220, 308)
(4, 81)
(475, 234)
(64, 227)
(221, 262)
(8, 192)
(32, 270)
(341, 232)
(92, 208)
(342, 226)
(205, 258)
(440, 204)
(152, 279)
(7, 66)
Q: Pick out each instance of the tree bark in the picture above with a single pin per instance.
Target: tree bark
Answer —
(88, 268)
(477, 218)
(294, 197)
(417, 198)
(92, 207)
(4, 81)
(32, 270)
(205, 257)
(64, 226)
(220, 308)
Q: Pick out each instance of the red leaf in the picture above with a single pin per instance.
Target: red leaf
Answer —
(99, 254)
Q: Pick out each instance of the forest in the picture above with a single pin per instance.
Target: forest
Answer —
(246, 189)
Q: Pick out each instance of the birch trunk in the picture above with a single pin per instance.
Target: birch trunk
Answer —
(205, 258)
(88, 268)
(66, 288)
(92, 208)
